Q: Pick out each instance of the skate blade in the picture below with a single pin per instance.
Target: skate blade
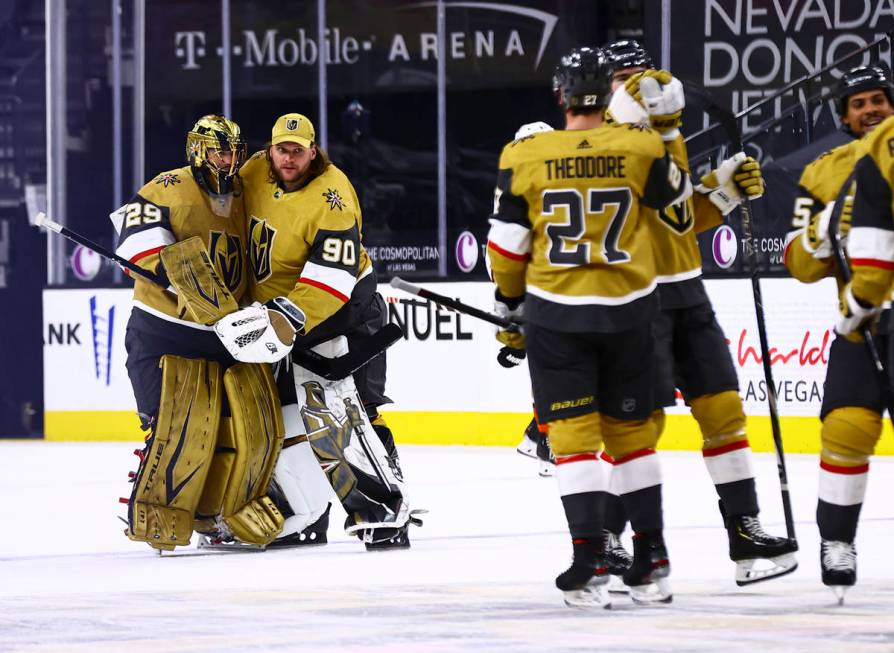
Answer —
(748, 573)
(546, 469)
(527, 448)
(617, 586)
(590, 596)
(207, 544)
(658, 591)
(839, 591)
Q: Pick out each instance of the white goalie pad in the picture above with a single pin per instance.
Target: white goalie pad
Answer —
(299, 476)
(345, 443)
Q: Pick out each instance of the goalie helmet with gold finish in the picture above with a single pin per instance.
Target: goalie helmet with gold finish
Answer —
(215, 151)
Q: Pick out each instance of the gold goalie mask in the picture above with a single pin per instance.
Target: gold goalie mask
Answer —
(216, 151)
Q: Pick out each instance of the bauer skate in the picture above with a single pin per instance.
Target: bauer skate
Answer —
(617, 561)
(749, 545)
(647, 575)
(839, 565)
(584, 583)
(528, 445)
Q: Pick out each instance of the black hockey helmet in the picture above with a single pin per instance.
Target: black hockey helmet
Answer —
(863, 78)
(627, 53)
(583, 79)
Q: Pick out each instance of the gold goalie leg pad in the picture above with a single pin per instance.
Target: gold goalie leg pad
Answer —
(178, 454)
(201, 293)
(235, 499)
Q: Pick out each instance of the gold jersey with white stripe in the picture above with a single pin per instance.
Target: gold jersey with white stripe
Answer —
(678, 260)
(871, 239)
(306, 244)
(170, 208)
(573, 223)
(820, 184)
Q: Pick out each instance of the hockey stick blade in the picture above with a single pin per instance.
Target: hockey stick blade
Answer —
(333, 369)
(456, 305)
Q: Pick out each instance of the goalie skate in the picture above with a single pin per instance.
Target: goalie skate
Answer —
(647, 575)
(758, 556)
(839, 565)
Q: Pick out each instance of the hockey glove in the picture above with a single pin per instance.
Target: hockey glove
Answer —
(855, 315)
(662, 96)
(531, 128)
(251, 336)
(514, 340)
(735, 179)
(816, 234)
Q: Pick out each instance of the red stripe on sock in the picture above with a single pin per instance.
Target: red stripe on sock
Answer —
(838, 469)
(719, 451)
(633, 456)
(575, 458)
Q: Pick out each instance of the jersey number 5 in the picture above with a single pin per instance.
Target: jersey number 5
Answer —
(565, 245)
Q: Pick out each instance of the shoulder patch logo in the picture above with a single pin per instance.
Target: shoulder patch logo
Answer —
(334, 200)
(167, 179)
(584, 145)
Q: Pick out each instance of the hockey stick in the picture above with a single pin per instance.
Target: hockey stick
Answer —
(41, 220)
(330, 369)
(844, 270)
(456, 305)
(363, 351)
(730, 125)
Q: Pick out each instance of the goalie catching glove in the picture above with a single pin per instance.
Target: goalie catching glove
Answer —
(256, 334)
(513, 353)
(734, 180)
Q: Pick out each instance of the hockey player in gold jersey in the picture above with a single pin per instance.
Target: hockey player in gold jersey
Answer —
(691, 348)
(569, 243)
(853, 400)
(200, 407)
(307, 260)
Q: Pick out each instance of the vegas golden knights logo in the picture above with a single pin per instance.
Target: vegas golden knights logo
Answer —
(677, 216)
(260, 236)
(330, 435)
(225, 251)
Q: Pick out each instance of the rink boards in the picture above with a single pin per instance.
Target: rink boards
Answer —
(443, 376)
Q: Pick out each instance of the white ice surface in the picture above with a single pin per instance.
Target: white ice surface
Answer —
(479, 576)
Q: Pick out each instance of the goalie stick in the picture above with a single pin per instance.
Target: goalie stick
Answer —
(330, 369)
(844, 270)
(455, 304)
(730, 125)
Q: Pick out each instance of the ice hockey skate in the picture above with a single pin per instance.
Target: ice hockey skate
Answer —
(314, 533)
(839, 565)
(647, 575)
(758, 555)
(528, 445)
(617, 561)
(584, 583)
